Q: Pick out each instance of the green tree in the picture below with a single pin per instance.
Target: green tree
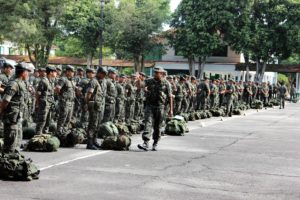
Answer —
(134, 26)
(34, 24)
(199, 27)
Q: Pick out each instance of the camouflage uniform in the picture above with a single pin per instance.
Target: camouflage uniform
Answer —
(214, 95)
(130, 91)
(66, 101)
(202, 98)
(158, 91)
(110, 101)
(14, 96)
(96, 106)
(45, 93)
(120, 103)
(230, 91)
(282, 94)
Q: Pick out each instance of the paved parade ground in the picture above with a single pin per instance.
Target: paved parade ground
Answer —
(256, 156)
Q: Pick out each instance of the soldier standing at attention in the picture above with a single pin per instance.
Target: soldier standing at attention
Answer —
(66, 97)
(222, 90)
(214, 91)
(282, 95)
(111, 95)
(130, 91)
(120, 101)
(95, 99)
(203, 94)
(45, 100)
(178, 95)
(157, 93)
(265, 93)
(11, 108)
(6, 74)
(230, 90)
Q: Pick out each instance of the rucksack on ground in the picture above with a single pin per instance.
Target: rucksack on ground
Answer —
(42, 143)
(118, 143)
(134, 127)
(13, 166)
(72, 137)
(123, 128)
(176, 127)
(107, 129)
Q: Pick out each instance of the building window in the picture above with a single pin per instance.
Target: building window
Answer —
(10, 51)
(1, 50)
(221, 52)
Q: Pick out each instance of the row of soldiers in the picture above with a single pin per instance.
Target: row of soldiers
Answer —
(94, 97)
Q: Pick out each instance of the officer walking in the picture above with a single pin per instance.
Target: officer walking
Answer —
(157, 93)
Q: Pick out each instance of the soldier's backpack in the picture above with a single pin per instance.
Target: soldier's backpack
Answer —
(197, 115)
(13, 166)
(107, 129)
(122, 128)
(42, 143)
(257, 104)
(134, 127)
(28, 133)
(237, 112)
(70, 138)
(118, 143)
(176, 127)
(192, 116)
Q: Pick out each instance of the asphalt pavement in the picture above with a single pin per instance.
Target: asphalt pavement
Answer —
(253, 156)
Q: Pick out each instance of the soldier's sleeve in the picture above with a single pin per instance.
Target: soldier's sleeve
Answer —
(41, 87)
(60, 83)
(91, 86)
(11, 89)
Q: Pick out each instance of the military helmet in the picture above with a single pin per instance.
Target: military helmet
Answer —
(159, 69)
(70, 68)
(90, 70)
(22, 67)
(101, 70)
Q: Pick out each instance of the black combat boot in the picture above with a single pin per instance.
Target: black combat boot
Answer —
(144, 146)
(154, 146)
(90, 145)
(96, 144)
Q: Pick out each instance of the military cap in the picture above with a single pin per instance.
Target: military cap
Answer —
(101, 70)
(193, 78)
(42, 69)
(50, 69)
(58, 68)
(122, 76)
(7, 65)
(112, 71)
(142, 74)
(182, 78)
(169, 77)
(91, 70)
(22, 66)
(70, 68)
(80, 69)
(159, 69)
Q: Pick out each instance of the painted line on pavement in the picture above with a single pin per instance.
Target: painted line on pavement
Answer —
(72, 160)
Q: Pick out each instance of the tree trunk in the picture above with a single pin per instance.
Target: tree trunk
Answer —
(262, 71)
(137, 63)
(201, 64)
(89, 60)
(247, 78)
(191, 61)
(258, 67)
(142, 63)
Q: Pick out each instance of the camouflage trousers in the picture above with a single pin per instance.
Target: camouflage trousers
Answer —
(282, 101)
(120, 110)
(129, 111)
(177, 105)
(12, 137)
(213, 101)
(138, 110)
(229, 106)
(109, 112)
(43, 118)
(202, 102)
(95, 120)
(184, 105)
(154, 116)
(66, 109)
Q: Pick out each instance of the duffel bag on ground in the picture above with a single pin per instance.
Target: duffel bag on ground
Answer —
(42, 143)
(118, 143)
(122, 128)
(176, 127)
(70, 138)
(14, 166)
(134, 127)
(107, 129)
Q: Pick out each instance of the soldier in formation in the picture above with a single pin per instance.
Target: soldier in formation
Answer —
(96, 97)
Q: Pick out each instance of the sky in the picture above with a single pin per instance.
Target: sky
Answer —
(174, 4)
